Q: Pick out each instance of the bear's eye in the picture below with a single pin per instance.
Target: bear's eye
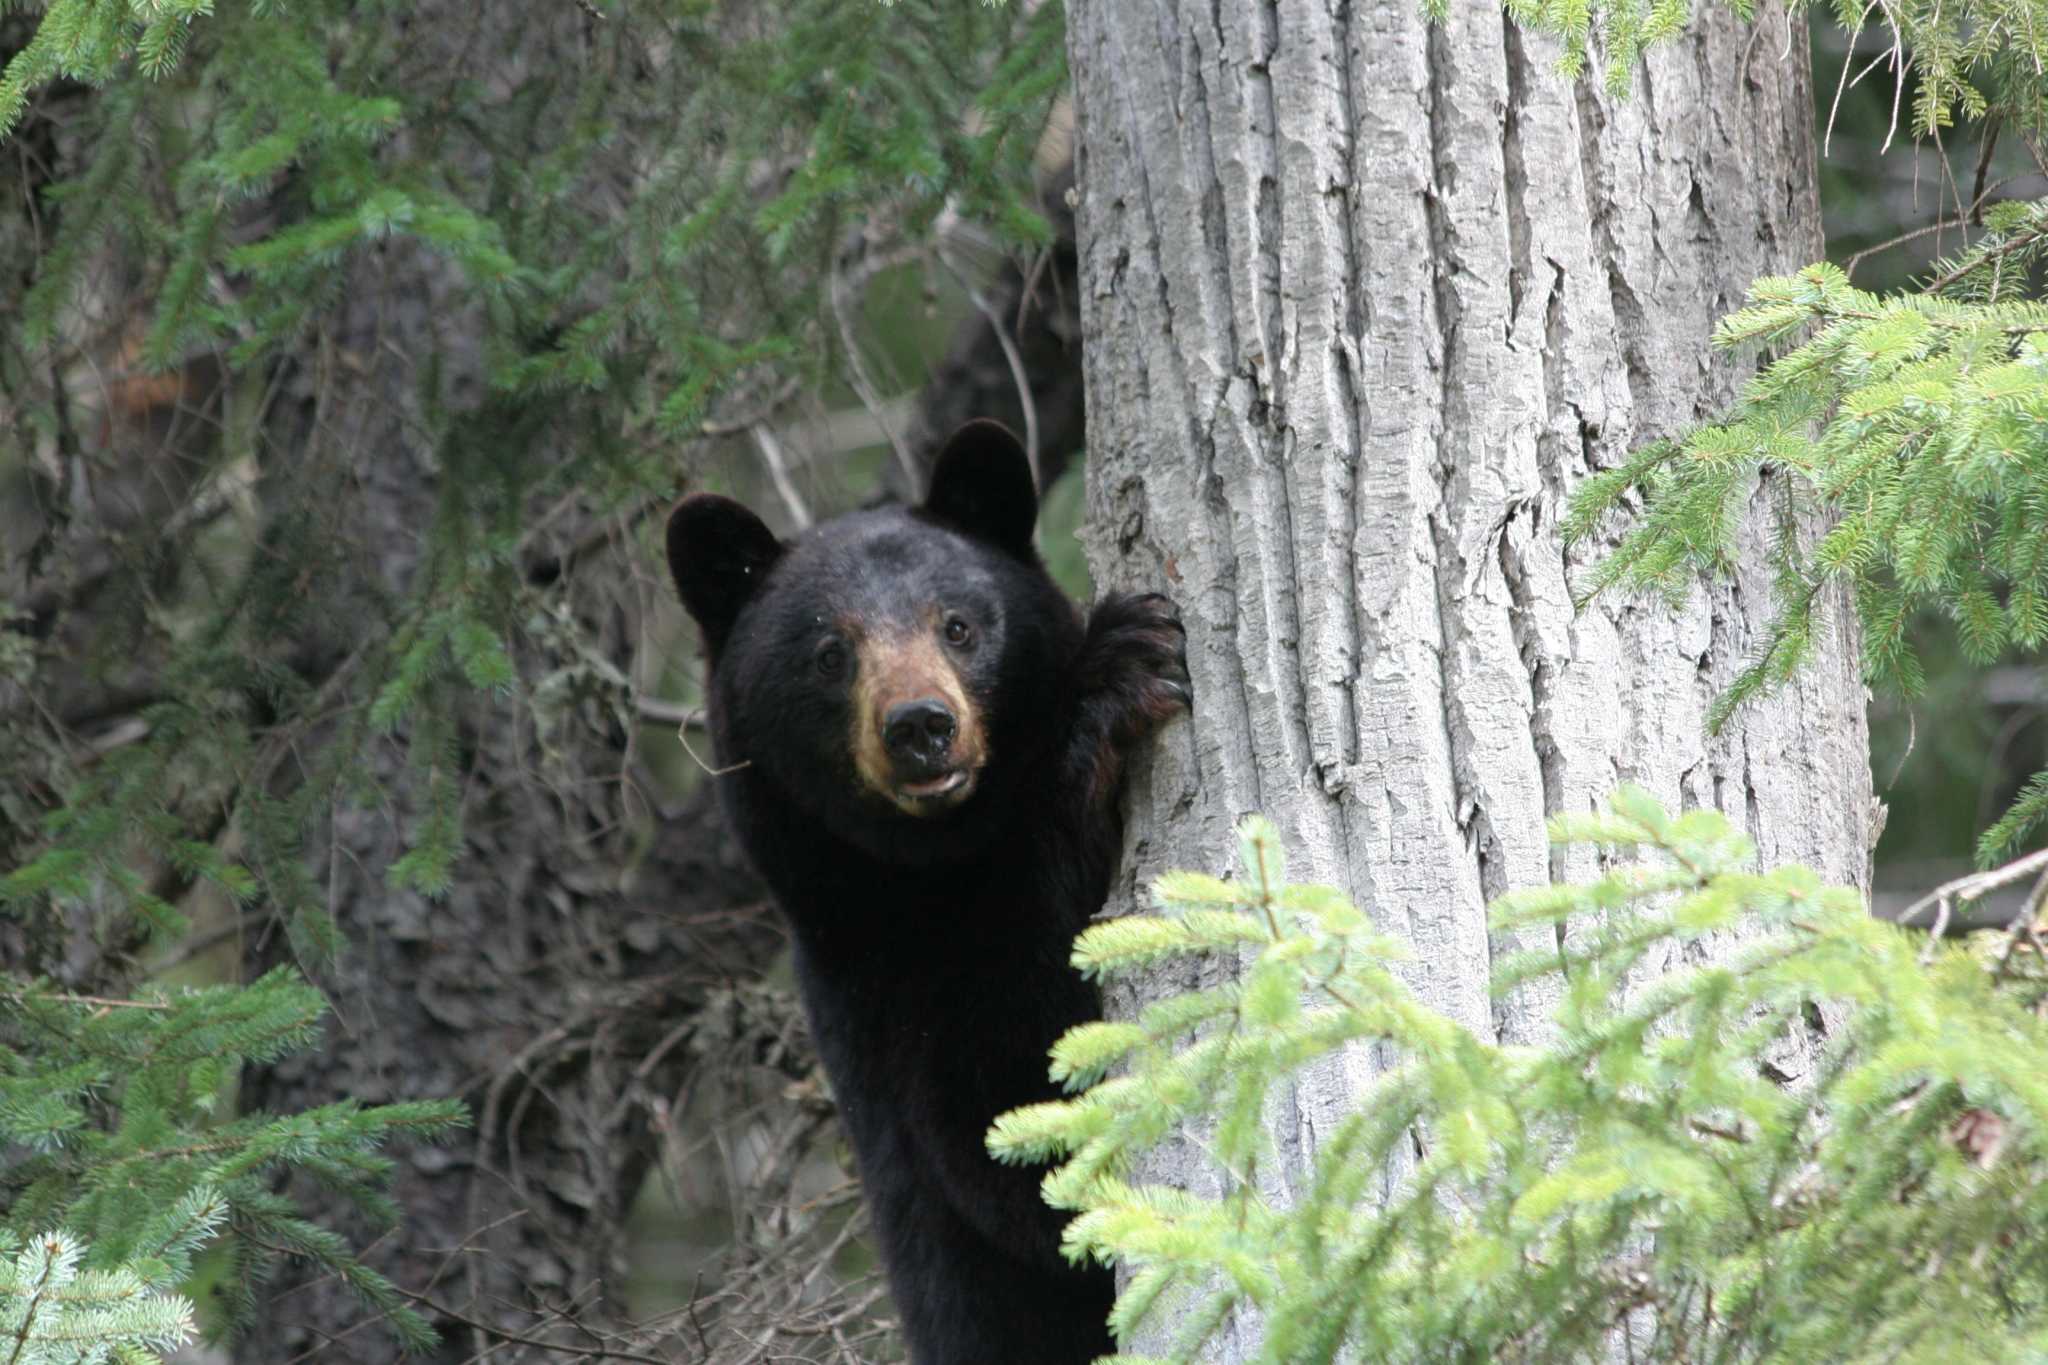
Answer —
(958, 632)
(831, 658)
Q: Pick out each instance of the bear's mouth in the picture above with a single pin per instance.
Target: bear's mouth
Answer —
(936, 793)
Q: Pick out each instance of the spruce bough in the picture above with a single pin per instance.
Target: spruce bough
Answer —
(126, 1165)
(1647, 1166)
(1912, 427)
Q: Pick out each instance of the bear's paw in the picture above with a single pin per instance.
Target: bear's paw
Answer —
(1134, 667)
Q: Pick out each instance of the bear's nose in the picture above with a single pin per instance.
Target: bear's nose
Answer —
(919, 732)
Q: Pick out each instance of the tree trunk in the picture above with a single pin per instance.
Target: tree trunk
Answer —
(552, 986)
(1362, 300)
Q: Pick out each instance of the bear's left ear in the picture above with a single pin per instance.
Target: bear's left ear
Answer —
(718, 553)
(982, 484)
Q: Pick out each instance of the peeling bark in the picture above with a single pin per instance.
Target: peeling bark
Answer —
(1362, 300)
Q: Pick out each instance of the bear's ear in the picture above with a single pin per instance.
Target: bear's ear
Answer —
(982, 484)
(718, 552)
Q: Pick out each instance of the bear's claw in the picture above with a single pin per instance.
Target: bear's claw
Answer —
(1135, 662)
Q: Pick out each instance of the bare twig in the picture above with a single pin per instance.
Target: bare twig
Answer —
(1842, 83)
(2024, 922)
(863, 383)
(683, 734)
(778, 472)
(669, 712)
(95, 1001)
(1974, 885)
(1010, 355)
(767, 408)
(1941, 225)
(605, 1352)
(1985, 148)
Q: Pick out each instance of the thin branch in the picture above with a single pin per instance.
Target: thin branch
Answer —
(1010, 354)
(1940, 225)
(683, 734)
(767, 408)
(2024, 921)
(1985, 147)
(669, 712)
(778, 472)
(96, 1001)
(863, 383)
(2019, 242)
(2034, 152)
(553, 1347)
(1974, 885)
(1827, 141)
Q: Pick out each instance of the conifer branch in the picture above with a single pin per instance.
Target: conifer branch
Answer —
(94, 1001)
(1534, 1177)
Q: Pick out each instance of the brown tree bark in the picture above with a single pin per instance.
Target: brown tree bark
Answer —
(553, 986)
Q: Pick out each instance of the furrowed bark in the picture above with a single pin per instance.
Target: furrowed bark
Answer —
(1363, 299)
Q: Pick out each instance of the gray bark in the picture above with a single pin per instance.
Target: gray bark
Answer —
(1362, 300)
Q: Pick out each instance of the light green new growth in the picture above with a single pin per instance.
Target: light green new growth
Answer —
(1649, 1165)
(128, 1162)
(54, 1313)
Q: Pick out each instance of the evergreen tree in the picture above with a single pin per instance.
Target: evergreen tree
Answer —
(120, 1116)
(53, 1313)
(354, 348)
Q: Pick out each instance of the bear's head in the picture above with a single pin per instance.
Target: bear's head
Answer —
(889, 666)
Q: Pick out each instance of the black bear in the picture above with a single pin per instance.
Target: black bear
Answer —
(919, 742)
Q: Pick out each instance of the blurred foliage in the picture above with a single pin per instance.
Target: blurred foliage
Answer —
(621, 290)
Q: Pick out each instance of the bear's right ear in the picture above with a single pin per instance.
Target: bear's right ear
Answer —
(718, 553)
(982, 484)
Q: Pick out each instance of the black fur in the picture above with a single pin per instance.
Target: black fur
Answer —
(932, 950)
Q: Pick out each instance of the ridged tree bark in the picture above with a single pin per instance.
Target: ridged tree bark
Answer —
(1363, 299)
